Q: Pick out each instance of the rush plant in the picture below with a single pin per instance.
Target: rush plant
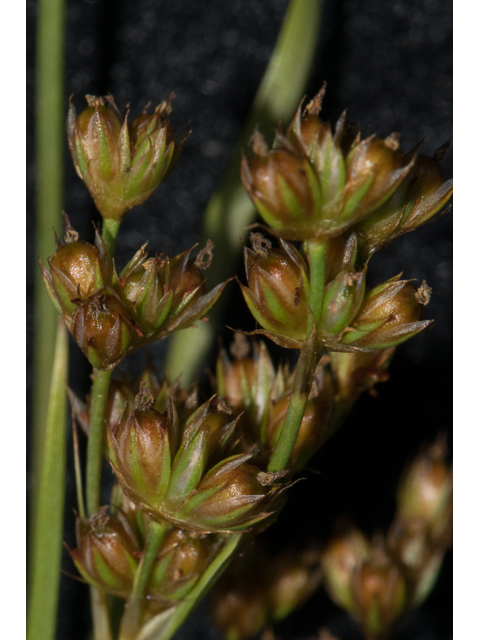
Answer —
(196, 477)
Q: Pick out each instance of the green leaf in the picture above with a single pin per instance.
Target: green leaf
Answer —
(47, 545)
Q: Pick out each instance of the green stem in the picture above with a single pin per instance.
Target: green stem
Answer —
(99, 394)
(307, 362)
(156, 534)
(316, 251)
(213, 572)
(230, 210)
(100, 614)
(130, 622)
(49, 141)
(109, 232)
(47, 545)
(302, 384)
(96, 435)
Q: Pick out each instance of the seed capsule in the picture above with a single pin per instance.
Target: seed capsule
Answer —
(121, 164)
(389, 315)
(107, 552)
(277, 291)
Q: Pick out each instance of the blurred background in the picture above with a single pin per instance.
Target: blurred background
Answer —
(390, 65)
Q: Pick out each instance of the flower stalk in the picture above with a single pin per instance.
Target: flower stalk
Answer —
(309, 357)
(130, 622)
(208, 579)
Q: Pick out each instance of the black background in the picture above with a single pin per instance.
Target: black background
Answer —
(389, 63)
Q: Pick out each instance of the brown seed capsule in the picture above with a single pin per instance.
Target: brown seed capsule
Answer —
(140, 453)
(425, 492)
(421, 196)
(285, 190)
(375, 168)
(239, 612)
(181, 560)
(103, 329)
(277, 292)
(293, 577)
(239, 494)
(165, 295)
(77, 270)
(107, 552)
(344, 555)
(389, 315)
(380, 596)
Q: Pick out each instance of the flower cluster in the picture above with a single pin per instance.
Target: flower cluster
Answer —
(344, 198)
(121, 163)
(110, 314)
(316, 183)
(111, 547)
(378, 581)
(186, 473)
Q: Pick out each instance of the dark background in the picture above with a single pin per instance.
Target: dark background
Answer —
(390, 64)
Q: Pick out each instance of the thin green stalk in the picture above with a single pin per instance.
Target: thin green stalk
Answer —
(47, 545)
(109, 233)
(307, 362)
(100, 614)
(302, 384)
(130, 622)
(156, 534)
(316, 251)
(99, 394)
(49, 146)
(230, 210)
(213, 572)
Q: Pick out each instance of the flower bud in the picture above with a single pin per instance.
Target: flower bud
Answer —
(238, 610)
(277, 291)
(180, 561)
(140, 453)
(419, 556)
(390, 314)
(425, 492)
(107, 552)
(103, 329)
(374, 170)
(421, 196)
(344, 555)
(379, 594)
(284, 187)
(246, 383)
(292, 579)
(77, 270)
(341, 301)
(121, 164)
(324, 149)
(234, 498)
(165, 295)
